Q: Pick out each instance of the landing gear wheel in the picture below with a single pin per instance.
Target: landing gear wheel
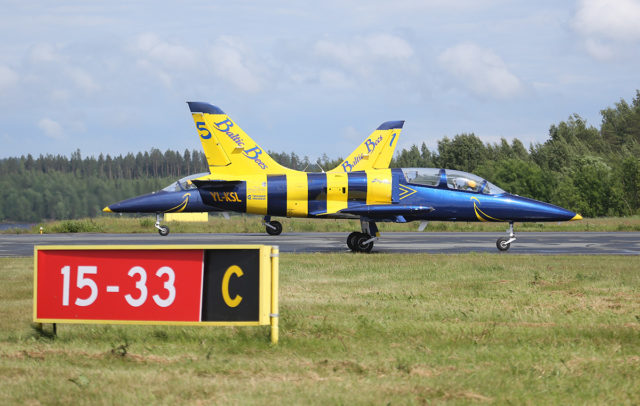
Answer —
(361, 245)
(351, 240)
(275, 229)
(163, 231)
(502, 243)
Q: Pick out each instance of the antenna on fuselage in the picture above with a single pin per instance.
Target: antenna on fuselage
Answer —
(320, 166)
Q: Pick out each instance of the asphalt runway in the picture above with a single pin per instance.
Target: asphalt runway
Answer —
(617, 243)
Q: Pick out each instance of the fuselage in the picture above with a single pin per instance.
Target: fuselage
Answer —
(398, 195)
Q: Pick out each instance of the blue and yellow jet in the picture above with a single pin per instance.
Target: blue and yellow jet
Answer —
(244, 178)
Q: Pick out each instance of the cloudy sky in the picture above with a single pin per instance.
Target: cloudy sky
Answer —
(306, 76)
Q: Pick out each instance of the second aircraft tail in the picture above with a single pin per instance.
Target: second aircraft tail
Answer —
(376, 151)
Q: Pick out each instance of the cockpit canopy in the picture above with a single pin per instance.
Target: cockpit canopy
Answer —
(457, 180)
(184, 183)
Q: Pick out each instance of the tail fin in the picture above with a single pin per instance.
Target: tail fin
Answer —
(376, 151)
(228, 149)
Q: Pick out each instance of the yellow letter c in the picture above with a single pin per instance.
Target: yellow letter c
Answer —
(233, 269)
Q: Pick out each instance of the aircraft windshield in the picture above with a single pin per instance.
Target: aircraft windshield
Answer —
(457, 180)
(184, 183)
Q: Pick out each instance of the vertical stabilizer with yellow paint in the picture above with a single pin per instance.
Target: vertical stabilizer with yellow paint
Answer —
(376, 151)
(229, 150)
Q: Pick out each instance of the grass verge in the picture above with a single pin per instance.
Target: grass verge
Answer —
(253, 224)
(358, 329)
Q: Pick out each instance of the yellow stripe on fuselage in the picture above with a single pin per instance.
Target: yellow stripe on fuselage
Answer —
(379, 186)
(337, 191)
(257, 194)
(297, 194)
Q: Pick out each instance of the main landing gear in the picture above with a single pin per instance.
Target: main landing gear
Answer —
(162, 230)
(363, 242)
(272, 227)
(504, 243)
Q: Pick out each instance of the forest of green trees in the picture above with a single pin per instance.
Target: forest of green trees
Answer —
(595, 172)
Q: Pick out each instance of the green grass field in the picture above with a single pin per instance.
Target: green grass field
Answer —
(253, 224)
(358, 329)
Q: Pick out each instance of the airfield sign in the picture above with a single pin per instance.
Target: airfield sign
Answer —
(157, 284)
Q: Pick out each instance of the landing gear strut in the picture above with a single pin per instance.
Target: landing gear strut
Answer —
(162, 230)
(363, 242)
(504, 243)
(272, 227)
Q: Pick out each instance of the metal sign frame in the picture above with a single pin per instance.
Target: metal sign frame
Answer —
(212, 256)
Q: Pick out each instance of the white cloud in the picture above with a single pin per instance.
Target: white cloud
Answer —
(162, 59)
(341, 64)
(364, 50)
(607, 25)
(83, 79)
(231, 61)
(334, 79)
(480, 70)
(350, 133)
(341, 53)
(388, 46)
(44, 52)
(616, 20)
(599, 49)
(51, 129)
(167, 54)
(8, 77)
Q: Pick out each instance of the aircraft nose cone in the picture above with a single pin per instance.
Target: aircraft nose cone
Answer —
(151, 203)
(534, 210)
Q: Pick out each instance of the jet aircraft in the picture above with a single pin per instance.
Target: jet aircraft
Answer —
(244, 178)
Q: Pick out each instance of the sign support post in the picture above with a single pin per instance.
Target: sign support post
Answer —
(275, 258)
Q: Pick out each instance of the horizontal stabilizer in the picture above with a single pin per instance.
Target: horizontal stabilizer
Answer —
(391, 125)
(200, 107)
(386, 210)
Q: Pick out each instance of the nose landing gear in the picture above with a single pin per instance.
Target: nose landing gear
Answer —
(504, 243)
(162, 230)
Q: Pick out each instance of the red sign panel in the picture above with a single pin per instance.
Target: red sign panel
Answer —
(127, 285)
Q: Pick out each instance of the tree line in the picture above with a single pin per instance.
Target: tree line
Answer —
(595, 172)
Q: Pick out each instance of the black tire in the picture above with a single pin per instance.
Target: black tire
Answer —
(502, 244)
(274, 231)
(351, 240)
(163, 231)
(360, 243)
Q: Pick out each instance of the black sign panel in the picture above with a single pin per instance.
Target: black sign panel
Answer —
(231, 285)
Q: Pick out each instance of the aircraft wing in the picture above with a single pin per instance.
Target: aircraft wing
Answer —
(394, 212)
